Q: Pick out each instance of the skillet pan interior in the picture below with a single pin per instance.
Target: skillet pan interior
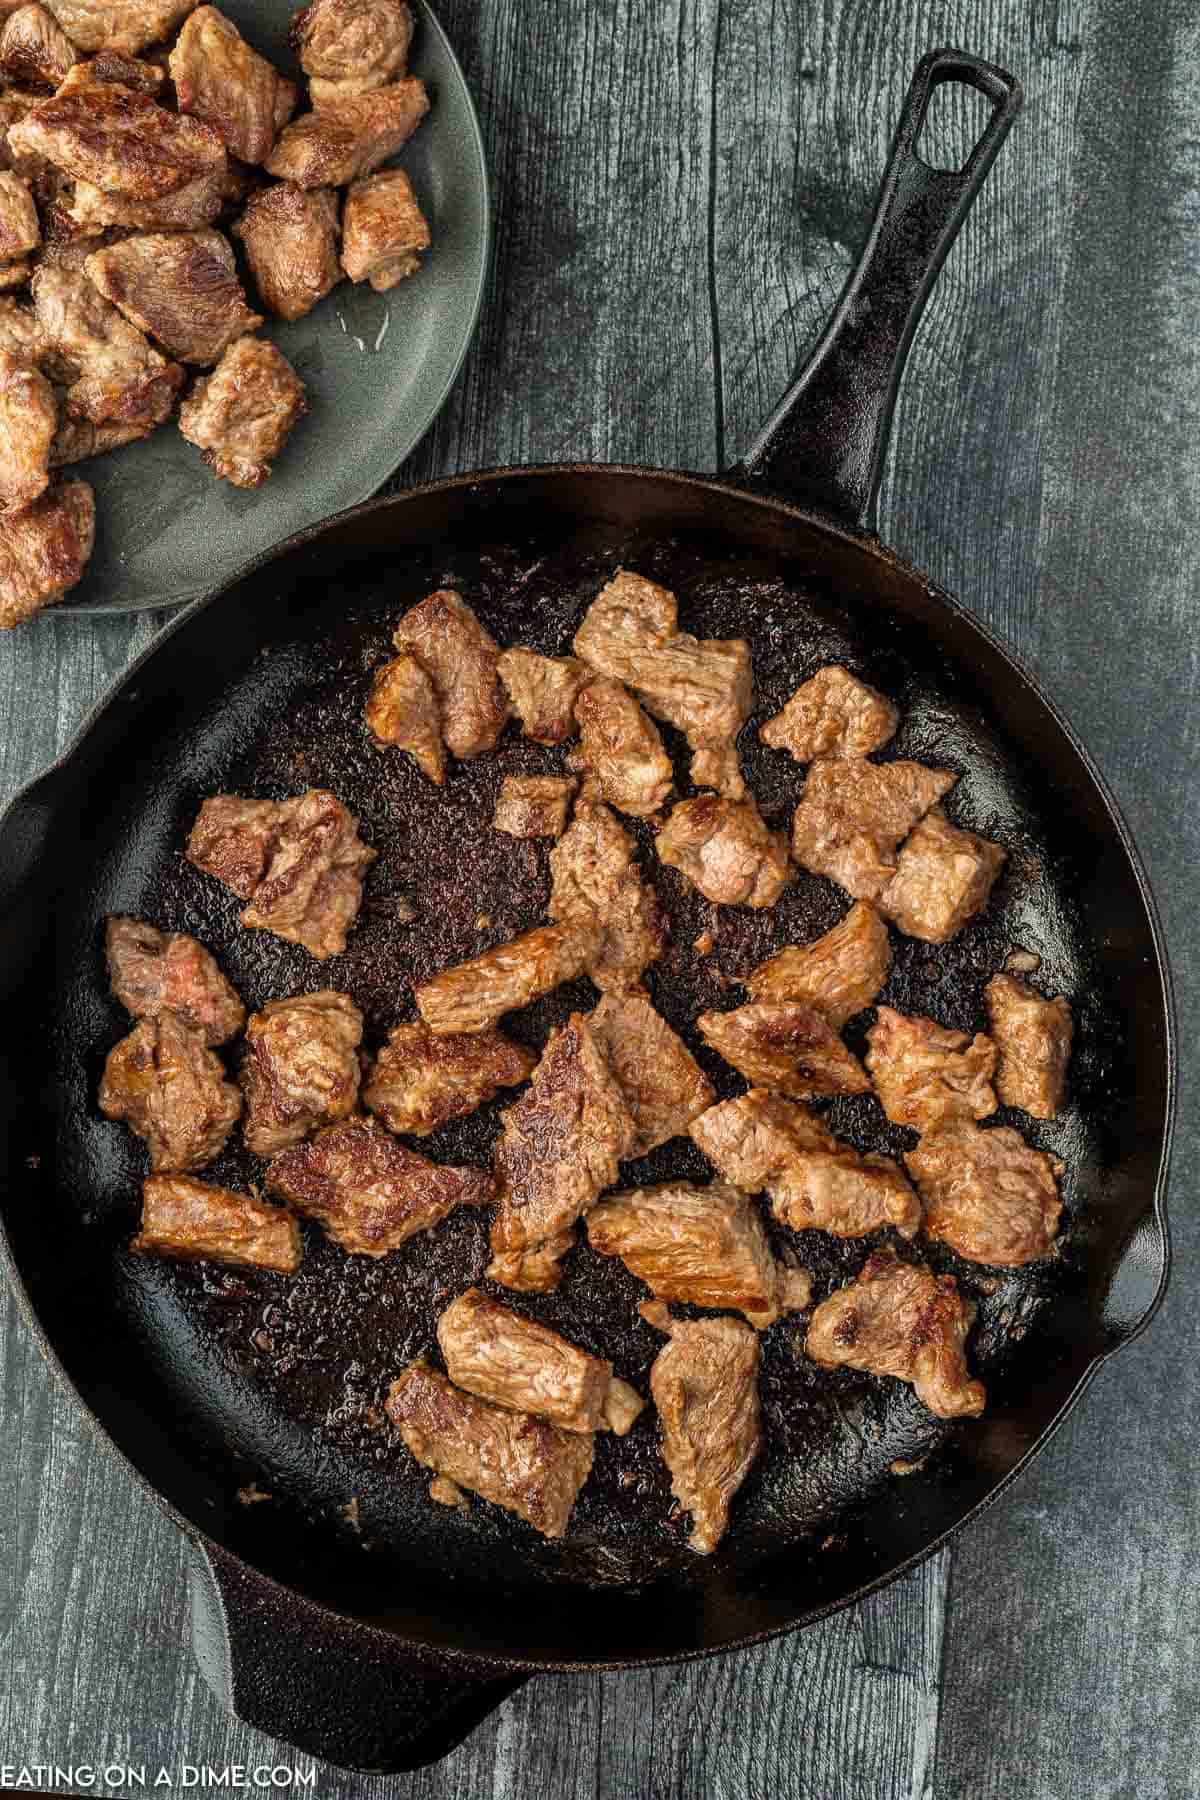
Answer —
(215, 1381)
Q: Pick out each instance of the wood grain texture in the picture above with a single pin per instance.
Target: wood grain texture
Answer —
(680, 191)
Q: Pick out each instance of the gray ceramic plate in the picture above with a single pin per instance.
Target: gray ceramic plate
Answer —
(377, 367)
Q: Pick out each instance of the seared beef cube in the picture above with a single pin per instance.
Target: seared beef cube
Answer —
(19, 228)
(534, 806)
(833, 714)
(786, 1046)
(702, 1245)
(664, 1086)
(516, 1363)
(473, 995)
(242, 414)
(44, 550)
(927, 1076)
(1033, 1036)
(622, 750)
(838, 974)
(121, 378)
(988, 1194)
(369, 1192)
(705, 1386)
(168, 1087)
(943, 878)
(402, 709)
(126, 26)
(153, 972)
(595, 882)
(20, 333)
(705, 688)
(120, 139)
(351, 46)
(179, 286)
(852, 817)
(899, 1319)
(301, 1068)
(34, 49)
(78, 439)
(291, 239)
(196, 204)
(384, 232)
(232, 840)
(725, 850)
(460, 658)
(221, 80)
(543, 691)
(111, 67)
(28, 422)
(815, 1182)
(193, 1221)
(348, 137)
(420, 1081)
(526, 1465)
(559, 1149)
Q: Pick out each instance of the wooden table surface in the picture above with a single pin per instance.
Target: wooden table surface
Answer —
(681, 189)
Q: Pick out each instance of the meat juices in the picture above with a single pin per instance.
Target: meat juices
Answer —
(34, 49)
(596, 884)
(28, 423)
(987, 1194)
(299, 862)
(526, 1465)
(384, 232)
(349, 136)
(927, 1077)
(368, 1191)
(220, 79)
(420, 1082)
(622, 750)
(944, 876)
(838, 974)
(543, 691)
(534, 806)
(460, 657)
(475, 994)
(853, 816)
(1033, 1036)
(118, 25)
(516, 1363)
(119, 139)
(402, 709)
(153, 972)
(181, 287)
(786, 1046)
(833, 714)
(351, 46)
(166, 1084)
(664, 1086)
(725, 850)
(900, 1319)
(291, 240)
(242, 415)
(301, 1068)
(44, 550)
(194, 1221)
(705, 1386)
(702, 1245)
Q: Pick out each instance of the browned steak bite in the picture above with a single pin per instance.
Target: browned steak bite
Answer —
(516, 1363)
(943, 878)
(126, 26)
(472, 995)
(534, 806)
(725, 850)
(704, 687)
(899, 1319)
(988, 1194)
(384, 232)
(351, 46)
(20, 333)
(596, 883)
(460, 658)
(28, 423)
(77, 439)
(420, 1081)
(197, 203)
(111, 67)
(526, 1465)
(195, 1221)
(299, 862)
(301, 1068)
(291, 239)
(705, 1386)
(153, 972)
(119, 139)
(19, 228)
(1033, 1035)
(815, 1182)
(785, 1045)
(559, 1149)
(543, 691)
(165, 1083)
(220, 79)
(119, 377)
(349, 136)
(402, 709)
(44, 550)
(927, 1076)
(621, 749)
(179, 286)
(242, 414)
(702, 1245)
(34, 49)
(833, 714)
(369, 1192)
(853, 816)
(664, 1086)
(839, 973)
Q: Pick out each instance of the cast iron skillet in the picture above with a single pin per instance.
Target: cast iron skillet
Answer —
(347, 1613)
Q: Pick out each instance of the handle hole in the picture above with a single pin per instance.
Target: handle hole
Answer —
(955, 117)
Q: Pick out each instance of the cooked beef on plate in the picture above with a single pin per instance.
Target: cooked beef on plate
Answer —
(839, 974)
(853, 817)
(832, 714)
(351, 46)
(349, 136)
(242, 415)
(220, 79)
(154, 971)
(460, 658)
(181, 287)
(44, 550)
(419, 1081)
(927, 1076)
(473, 995)
(35, 51)
(943, 878)
(195, 1221)
(784, 1045)
(124, 26)
(301, 1068)
(119, 139)
(384, 232)
(664, 1086)
(116, 374)
(290, 236)
(167, 1085)
(28, 426)
(620, 747)
(726, 851)
(543, 691)
(596, 884)
(988, 1194)
(534, 806)
(1033, 1036)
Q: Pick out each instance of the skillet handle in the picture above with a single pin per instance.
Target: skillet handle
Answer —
(825, 444)
(345, 1692)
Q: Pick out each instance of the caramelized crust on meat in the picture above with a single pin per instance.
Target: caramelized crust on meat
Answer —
(165, 1083)
(402, 709)
(621, 749)
(838, 974)
(900, 1319)
(28, 422)
(351, 46)
(77, 439)
(118, 138)
(369, 1192)
(833, 714)
(348, 137)
(220, 79)
(460, 658)
(111, 66)
(120, 378)
(725, 850)
(44, 550)
(853, 815)
(19, 228)
(473, 995)
(181, 287)
(943, 878)
(543, 691)
(126, 26)
(291, 239)
(534, 806)
(153, 972)
(664, 1086)
(420, 1082)
(988, 1194)
(384, 232)
(596, 883)
(301, 1068)
(34, 49)
(1033, 1036)
(784, 1045)
(926, 1076)
(526, 1465)
(242, 414)
(194, 1221)
(92, 211)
